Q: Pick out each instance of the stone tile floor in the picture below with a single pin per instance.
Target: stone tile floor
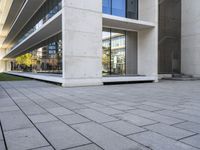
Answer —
(158, 116)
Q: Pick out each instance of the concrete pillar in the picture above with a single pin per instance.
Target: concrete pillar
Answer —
(7, 65)
(148, 39)
(82, 42)
(190, 47)
(2, 66)
(2, 62)
(131, 53)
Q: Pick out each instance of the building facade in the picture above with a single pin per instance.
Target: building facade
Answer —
(80, 43)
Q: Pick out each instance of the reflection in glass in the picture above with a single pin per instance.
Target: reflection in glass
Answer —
(132, 9)
(106, 52)
(117, 52)
(45, 58)
(114, 47)
(118, 8)
(107, 6)
(122, 8)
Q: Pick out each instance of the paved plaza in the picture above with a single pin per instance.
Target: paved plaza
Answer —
(158, 116)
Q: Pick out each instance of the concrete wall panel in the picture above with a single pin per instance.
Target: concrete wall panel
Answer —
(190, 48)
(148, 52)
(82, 42)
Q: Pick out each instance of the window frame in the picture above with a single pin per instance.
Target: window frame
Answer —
(126, 12)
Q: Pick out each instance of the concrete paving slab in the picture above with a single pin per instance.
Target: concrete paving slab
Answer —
(148, 108)
(58, 111)
(95, 115)
(163, 106)
(156, 117)
(14, 120)
(33, 110)
(6, 102)
(190, 112)
(193, 140)
(87, 147)
(48, 104)
(109, 111)
(137, 120)
(72, 105)
(123, 127)
(170, 131)
(24, 104)
(24, 139)
(180, 115)
(100, 104)
(122, 107)
(9, 108)
(42, 118)
(104, 109)
(190, 126)
(106, 138)
(61, 136)
(95, 105)
(44, 148)
(1, 135)
(73, 119)
(158, 142)
(2, 145)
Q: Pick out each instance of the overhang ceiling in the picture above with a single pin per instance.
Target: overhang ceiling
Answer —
(5, 6)
(50, 28)
(110, 21)
(26, 12)
(12, 14)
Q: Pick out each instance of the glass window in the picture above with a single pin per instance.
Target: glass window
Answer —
(106, 52)
(46, 57)
(118, 8)
(132, 9)
(114, 49)
(122, 8)
(107, 6)
(118, 52)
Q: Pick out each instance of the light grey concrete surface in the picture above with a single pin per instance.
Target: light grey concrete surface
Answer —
(2, 146)
(190, 126)
(158, 142)
(194, 141)
(73, 119)
(106, 138)
(123, 127)
(23, 139)
(42, 118)
(87, 147)
(170, 131)
(157, 116)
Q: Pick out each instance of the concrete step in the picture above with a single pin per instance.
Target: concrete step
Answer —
(181, 77)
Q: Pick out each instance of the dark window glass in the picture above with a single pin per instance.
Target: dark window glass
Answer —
(118, 8)
(122, 8)
(132, 9)
(107, 6)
